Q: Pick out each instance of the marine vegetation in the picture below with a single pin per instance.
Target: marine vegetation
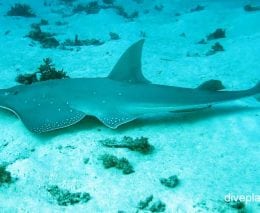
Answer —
(94, 7)
(86, 160)
(239, 205)
(145, 203)
(90, 8)
(108, 1)
(148, 205)
(138, 144)
(202, 41)
(26, 78)
(218, 33)
(23, 10)
(217, 47)
(209, 205)
(65, 197)
(197, 8)
(121, 11)
(5, 176)
(68, 2)
(250, 8)
(158, 206)
(159, 7)
(114, 36)
(170, 182)
(46, 39)
(43, 22)
(46, 71)
(123, 164)
(79, 42)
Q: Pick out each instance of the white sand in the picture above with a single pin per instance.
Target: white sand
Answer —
(213, 153)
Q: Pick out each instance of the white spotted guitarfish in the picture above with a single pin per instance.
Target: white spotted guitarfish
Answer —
(124, 95)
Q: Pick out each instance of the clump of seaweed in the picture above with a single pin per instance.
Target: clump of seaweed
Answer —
(43, 22)
(47, 40)
(197, 8)
(123, 164)
(170, 182)
(86, 160)
(217, 47)
(26, 78)
(84, 42)
(202, 41)
(239, 205)
(188, 54)
(90, 8)
(121, 11)
(46, 71)
(68, 2)
(61, 23)
(145, 203)
(109, 161)
(114, 36)
(218, 33)
(94, 7)
(138, 144)
(250, 8)
(108, 1)
(159, 7)
(5, 176)
(65, 197)
(157, 206)
(23, 10)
